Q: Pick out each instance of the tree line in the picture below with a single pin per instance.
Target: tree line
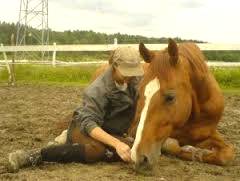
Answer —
(80, 36)
(91, 37)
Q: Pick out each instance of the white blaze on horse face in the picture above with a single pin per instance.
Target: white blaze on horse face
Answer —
(151, 88)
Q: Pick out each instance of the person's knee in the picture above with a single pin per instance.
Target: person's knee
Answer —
(94, 152)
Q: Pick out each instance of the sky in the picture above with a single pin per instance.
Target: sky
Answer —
(215, 21)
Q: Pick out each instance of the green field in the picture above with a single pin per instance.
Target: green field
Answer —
(225, 56)
(71, 75)
(228, 78)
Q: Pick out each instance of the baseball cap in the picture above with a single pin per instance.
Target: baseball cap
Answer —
(128, 61)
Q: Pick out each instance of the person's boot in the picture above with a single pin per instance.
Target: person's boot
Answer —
(22, 158)
(64, 153)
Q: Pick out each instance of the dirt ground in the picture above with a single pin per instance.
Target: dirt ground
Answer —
(28, 114)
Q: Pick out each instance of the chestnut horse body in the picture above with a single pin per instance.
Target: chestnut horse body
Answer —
(179, 107)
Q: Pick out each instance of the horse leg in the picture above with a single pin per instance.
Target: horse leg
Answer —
(213, 150)
(171, 146)
(220, 152)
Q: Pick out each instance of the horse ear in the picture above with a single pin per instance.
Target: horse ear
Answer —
(173, 51)
(145, 53)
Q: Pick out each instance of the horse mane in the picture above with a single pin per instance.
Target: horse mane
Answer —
(196, 59)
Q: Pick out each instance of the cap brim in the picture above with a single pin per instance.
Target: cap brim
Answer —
(131, 71)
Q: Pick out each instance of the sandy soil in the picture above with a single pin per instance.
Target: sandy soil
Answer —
(28, 114)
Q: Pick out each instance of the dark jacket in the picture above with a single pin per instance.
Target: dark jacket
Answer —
(104, 105)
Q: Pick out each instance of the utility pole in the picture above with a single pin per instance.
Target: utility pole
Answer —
(32, 26)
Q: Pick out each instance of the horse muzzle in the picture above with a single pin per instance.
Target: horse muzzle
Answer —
(143, 164)
(147, 161)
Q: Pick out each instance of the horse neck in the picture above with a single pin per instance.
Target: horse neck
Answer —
(200, 84)
(197, 69)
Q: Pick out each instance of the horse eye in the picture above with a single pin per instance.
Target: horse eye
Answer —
(170, 97)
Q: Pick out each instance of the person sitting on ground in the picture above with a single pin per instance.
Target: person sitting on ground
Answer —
(107, 108)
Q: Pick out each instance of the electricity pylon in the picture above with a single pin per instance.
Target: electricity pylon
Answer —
(32, 26)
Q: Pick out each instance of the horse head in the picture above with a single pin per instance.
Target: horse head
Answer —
(165, 102)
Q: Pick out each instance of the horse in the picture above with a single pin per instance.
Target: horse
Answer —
(179, 107)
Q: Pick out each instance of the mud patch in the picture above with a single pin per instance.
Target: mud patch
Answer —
(28, 115)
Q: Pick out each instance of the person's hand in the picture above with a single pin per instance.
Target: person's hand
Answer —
(124, 151)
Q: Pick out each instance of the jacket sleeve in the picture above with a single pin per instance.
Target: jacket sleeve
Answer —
(91, 114)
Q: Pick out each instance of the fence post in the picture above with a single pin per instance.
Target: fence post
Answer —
(115, 43)
(13, 79)
(8, 67)
(54, 55)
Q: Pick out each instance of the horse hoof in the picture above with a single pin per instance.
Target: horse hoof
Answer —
(188, 149)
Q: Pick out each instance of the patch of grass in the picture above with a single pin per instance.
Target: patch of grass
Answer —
(227, 77)
(48, 74)
(211, 55)
(82, 56)
(231, 91)
(74, 56)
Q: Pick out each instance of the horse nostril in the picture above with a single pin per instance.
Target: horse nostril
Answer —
(145, 159)
(143, 165)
